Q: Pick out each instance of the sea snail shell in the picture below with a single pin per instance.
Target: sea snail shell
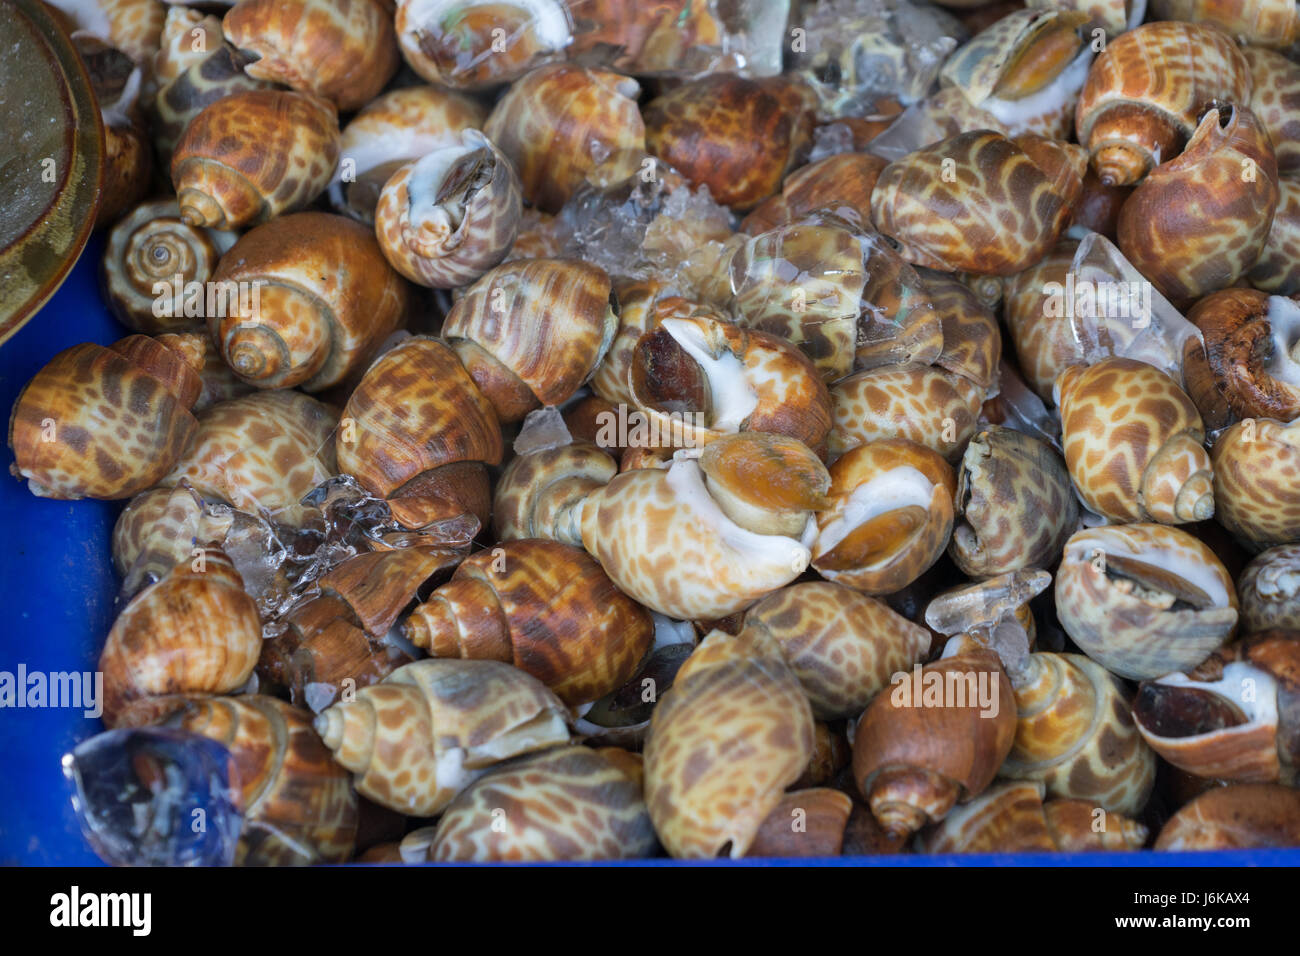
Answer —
(252, 156)
(104, 421)
(1144, 600)
(1235, 717)
(1255, 466)
(1244, 815)
(424, 733)
(444, 220)
(1132, 441)
(725, 741)
(322, 298)
(1269, 590)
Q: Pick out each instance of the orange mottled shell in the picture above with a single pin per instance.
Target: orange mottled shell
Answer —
(415, 412)
(570, 803)
(532, 331)
(789, 395)
(1200, 220)
(326, 298)
(730, 735)
(735, 135)
(1257, 482)
(891, 550)
(1145, 92)
(922, 403)
(158, 529)
(1241, 816)
(1074, 828)
(912, 763)
(1045, 344)
(427, 730)
(1132, 441)
(133, 26)
(195, 631)
(297, 804)
(1006, 818)
(1262, 22)
(665, 541)
(103, 422)
(559, 122)
(261, 453)
(1277, 269)
(254, 155)
(842, 645)
(1076, 735)
(841, 181)
(977, 202)
(343, 50)
(806, 823)
(545, 607)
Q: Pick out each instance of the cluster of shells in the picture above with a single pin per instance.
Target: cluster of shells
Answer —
(657, 432)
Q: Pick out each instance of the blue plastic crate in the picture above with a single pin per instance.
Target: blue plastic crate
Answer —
(58, 591)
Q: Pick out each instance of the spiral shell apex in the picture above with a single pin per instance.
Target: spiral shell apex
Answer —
(1132, 441)
(423, 734)
(254, 155)
(321, 297)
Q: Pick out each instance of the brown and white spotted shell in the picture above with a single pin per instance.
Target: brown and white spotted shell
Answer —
(530, 332)
(1258, 22)
(1146, 91)
(1277, 269)
(979, 202)
(697, 378)
(103, 421)
(342, 50)
(545, 607)
(567, 804)
(1199, 221)
(481, 44)
(133, 26)
(1074, 733)
(194, 67)
(915, 754)
(1132, 441)
(148, 250)
(297, 805)
(254, 155)
(219, 382)
(1240, 816)
(445, 219)
(159, 529)
(1257, 481)
(1275, 101)
(1269, 590)
(736, 135)
(1044, 337)
(418, 432)
(1015, 506)
(842, 645)
(540, 494)
(195, 631)
(559, 122)
(1113, 16)
(1234, 717)
(708, 536)
(1144, 600)
(321, 298)
(889, 517)
(394, 129)
(424, 733)
(261, 454)
(921, 403)
(725, 741)
(844, 180)
(1012, 818)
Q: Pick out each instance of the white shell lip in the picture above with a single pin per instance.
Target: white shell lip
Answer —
(734, 397)
(1111, 539)
(899, 487)
(424, 184)
(547, 19)
(1246, 686)
(1284, 325)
